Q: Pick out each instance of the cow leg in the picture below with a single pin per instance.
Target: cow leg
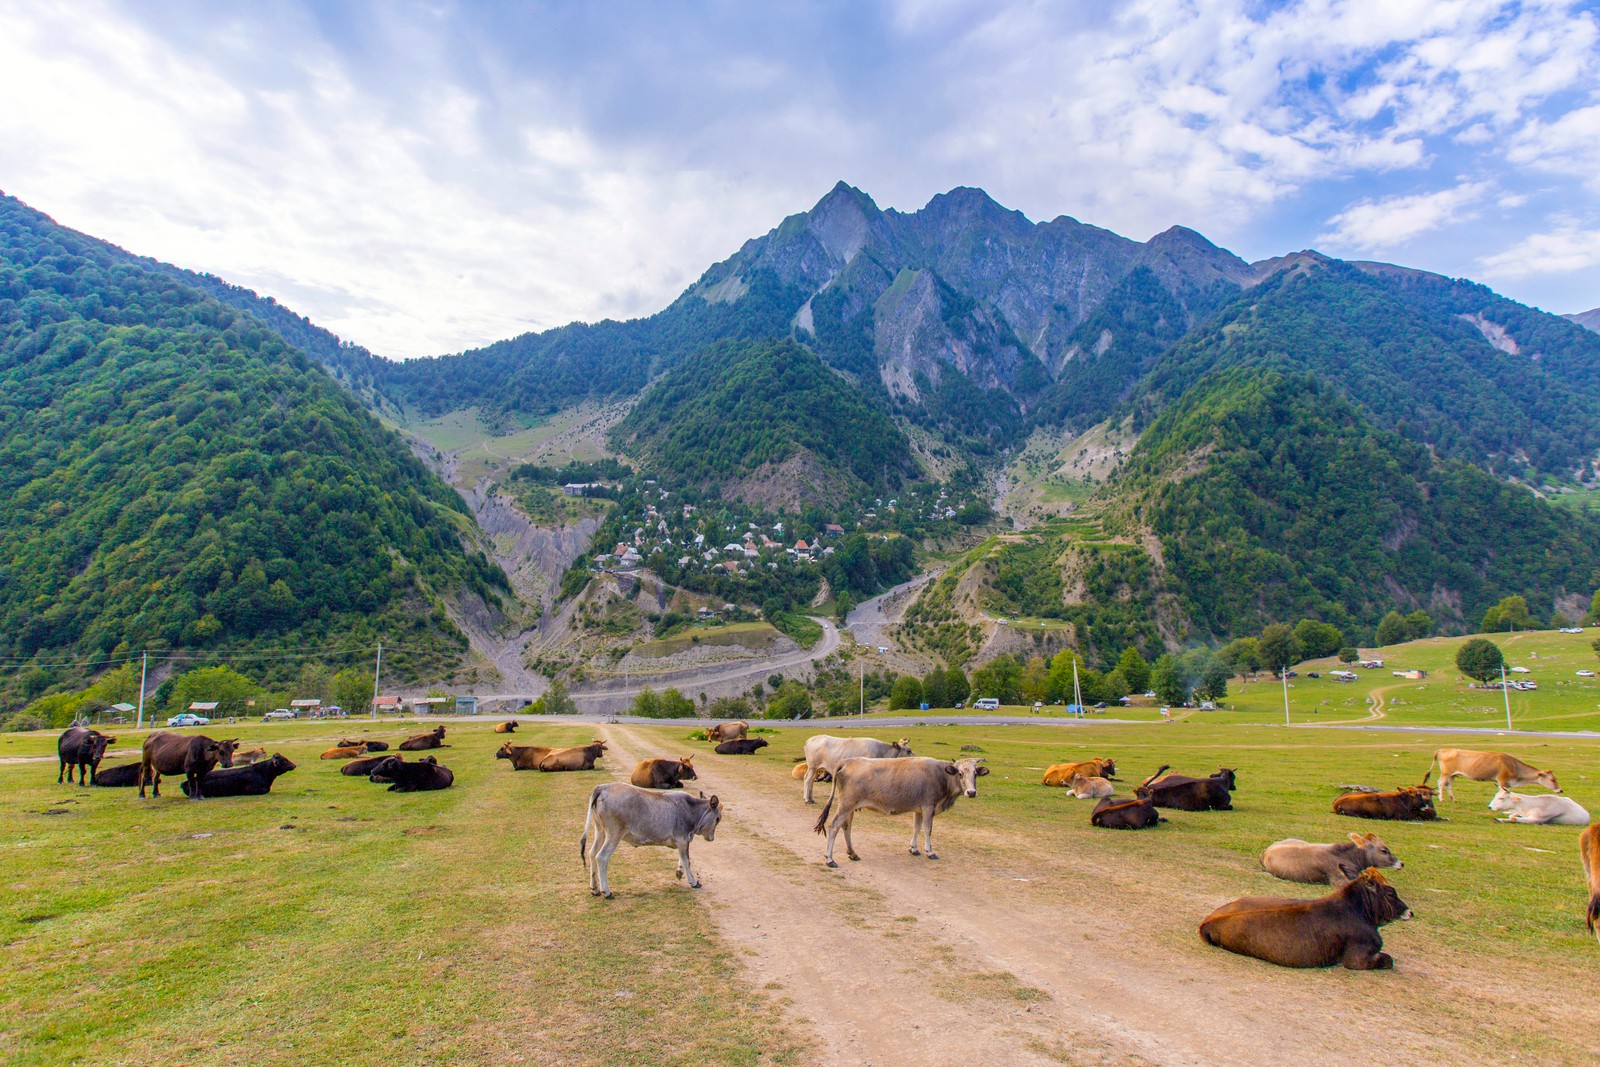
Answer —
(849, 845)
(1447, 783)
(62, 771)
(194, 785)
(602, 862)
(805, 789)
(916, 830)
(833, 830)
(1367, 958)
(685, 871)
(928, 822)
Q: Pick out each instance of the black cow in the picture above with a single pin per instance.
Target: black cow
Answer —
(252, 781)
(82, 748)
(1183, 793)
(1120, 813)
(189, 755)
(744, 746)
(377, 746)
(126, 774)
(417, 777)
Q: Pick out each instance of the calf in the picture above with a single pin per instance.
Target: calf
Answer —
(244, 759)
(191, 756)
(432, 739)
(1507, 772)
(800, 769)
(82, 748)
(619, 813)
(744, 746)
(1119, 813)
(825, 752)
(1183, 793)
(663, 773)
(728, 731)
(508, 727)
(126, 774)
(1589, 849)
(1561, 811)
(1062, 773)
(1295, 860)
(1402, 805)
(1341, 927)
(362, 767)
(345, 752)
(580, 758)
(921, 785)
(1091, 788)
(252, 781)
(420, 777)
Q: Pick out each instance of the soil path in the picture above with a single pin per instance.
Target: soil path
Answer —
(899, 960)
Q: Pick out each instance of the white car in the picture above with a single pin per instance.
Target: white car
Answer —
(1520, 670)
(278, 713)
(188, 718)
(1572, 629)
(1586, 674)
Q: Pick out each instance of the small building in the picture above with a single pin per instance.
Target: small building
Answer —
(833, 529)
(426, 705)
(306, 704)
(466, 705)
(204, 706)
(389, 704)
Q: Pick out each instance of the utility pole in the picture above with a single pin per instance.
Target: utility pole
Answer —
(1505, 691)
(144, 672)
(1285, 676)
(861, 666)
(377, 675)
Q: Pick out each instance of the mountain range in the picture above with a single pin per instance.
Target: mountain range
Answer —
(1304, 436)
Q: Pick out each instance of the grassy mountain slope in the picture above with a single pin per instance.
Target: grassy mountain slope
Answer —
(177, 475)
(741, 414)
(1275, 498)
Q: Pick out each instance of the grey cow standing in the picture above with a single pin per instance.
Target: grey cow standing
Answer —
(619, 812)
(918, 784)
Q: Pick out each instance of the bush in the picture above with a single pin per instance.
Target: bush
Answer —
(907, 693)
(1479, 659)
(674, 705)
(729, 708)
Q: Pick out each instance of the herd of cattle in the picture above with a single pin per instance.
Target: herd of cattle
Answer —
(885, 776)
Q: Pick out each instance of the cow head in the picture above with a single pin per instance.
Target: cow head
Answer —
(1108, 767)
(1504, 800)
(97, 747)
(1226, 775)
(225, 751)
(1548, 780)
(969, 771)
(686, 767)
(760, 742)
(1377, 898)
(900, 748)
(280, 764)
(1376, 853)
(438, 731)
(1421, 797)
(706, 826)
(504, 751)
(385, 769)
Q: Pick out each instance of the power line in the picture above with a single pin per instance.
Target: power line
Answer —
(305, 652)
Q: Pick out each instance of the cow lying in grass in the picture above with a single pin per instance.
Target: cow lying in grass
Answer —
(1120, 813)
(663, 773)
(345, 752)
(126, 774)
(1183, 793)
(799, 772)
(361, 768)
(244, 759)
(420, 777)
(1407, 804)
(1099, 767)
(1091, 788)
(1295, 860)
(742, 746)
(1559, 811)
(1341, 927)
(432, 739)
(252, 781)
(619, 812)
(508, 727)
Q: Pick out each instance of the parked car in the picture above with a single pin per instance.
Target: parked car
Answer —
(1586, 674)
(277, 714)
(1572, 629)
(188, 718)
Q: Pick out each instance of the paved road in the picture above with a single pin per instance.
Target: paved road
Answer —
(871, 620)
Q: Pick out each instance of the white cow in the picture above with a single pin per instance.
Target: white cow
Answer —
(1563, 811)
(824, 752)
(620, 812)
(920, 785)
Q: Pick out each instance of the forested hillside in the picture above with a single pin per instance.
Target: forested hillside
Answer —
(176, 475)
(771, 413)
(1275, 498)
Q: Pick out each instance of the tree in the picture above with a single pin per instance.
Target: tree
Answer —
(1213, 683)
(1280, 649)
(1166, 678)
(1594, 608)
(647, 705)
(1349, 654)
(1116, 685)
(1391, 630)
(1242, 654)
(352, 690)
(1510, 614)
(999, 678)
(557, 701)
(1479, 659)
(674, 705)
(790, 702)
(907, 693)
(1135, 671)
(1317, 639)
(729, 708)
(956, 687)
(231, 690)
(933, 689)
(1419, 624)
(1035, 680)
(1595, 644)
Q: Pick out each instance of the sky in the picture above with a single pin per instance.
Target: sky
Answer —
(423, 178)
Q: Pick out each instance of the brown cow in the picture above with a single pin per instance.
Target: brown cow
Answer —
(190, 756)
(508, 727)
(1341, 927)
(1099, 767)
(345, 742)
(580, 758)
(432, 739)
(663, 773)
(1295, 860)
(1120, 813)
(82, 748)
(799, 772)
(1506, 771)
(345, 752)
(1183, 793)
(523, 757)
(244, 759)
(360, 768)
(1589, 848)
(727, 731)
(1402, 805)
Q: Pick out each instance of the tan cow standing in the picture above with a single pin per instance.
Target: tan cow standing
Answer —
(920, 785)
(728, 731)
(1506, 771)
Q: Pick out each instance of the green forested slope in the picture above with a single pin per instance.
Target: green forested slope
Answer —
(738, 406)
(176, 475)
(1275, 498)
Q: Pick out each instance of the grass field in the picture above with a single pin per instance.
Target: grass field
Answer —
(333, 922)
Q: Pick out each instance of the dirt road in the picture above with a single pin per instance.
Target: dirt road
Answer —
(870, 622)
(1007, 952)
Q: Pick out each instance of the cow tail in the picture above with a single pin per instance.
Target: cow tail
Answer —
(1159, 772)
(588, 818)
(822, 819)
(1592, 919)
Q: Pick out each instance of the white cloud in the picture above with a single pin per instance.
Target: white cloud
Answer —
(1567, 249)
(1371, 225)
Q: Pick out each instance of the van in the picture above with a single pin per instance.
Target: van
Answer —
(986, 704)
